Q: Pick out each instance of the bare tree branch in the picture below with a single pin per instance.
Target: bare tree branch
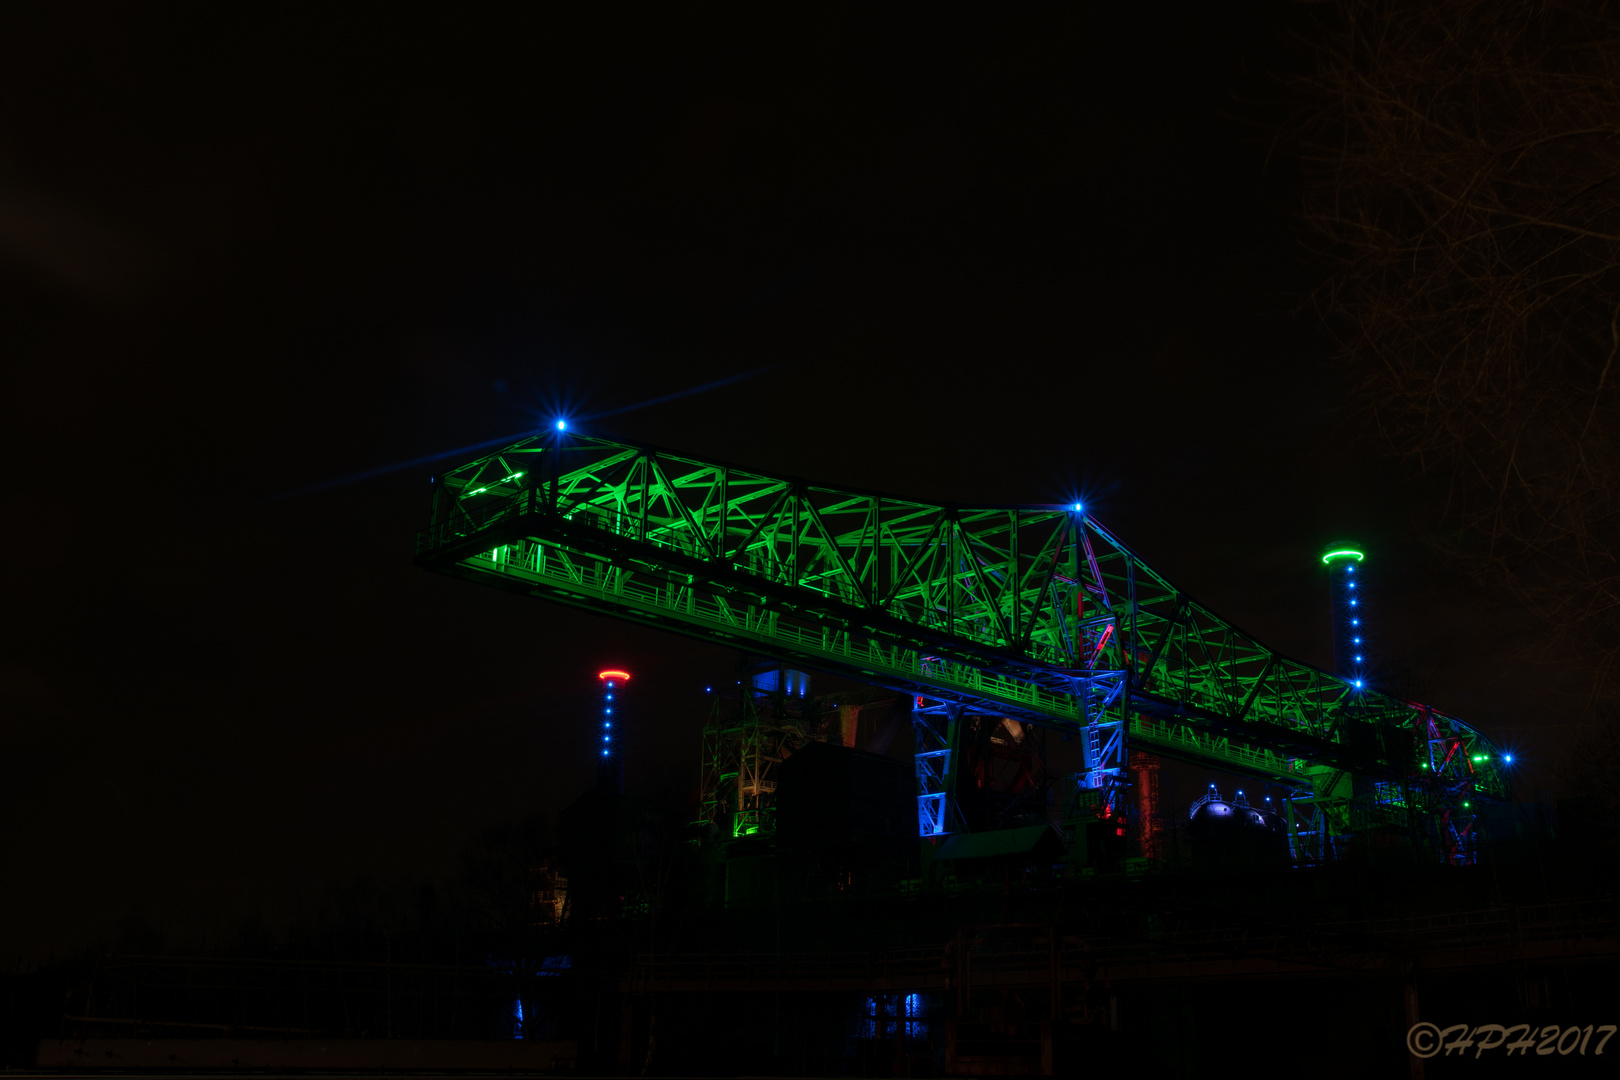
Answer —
(1459, 163)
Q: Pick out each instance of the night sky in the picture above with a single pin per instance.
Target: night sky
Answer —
(1022, 256)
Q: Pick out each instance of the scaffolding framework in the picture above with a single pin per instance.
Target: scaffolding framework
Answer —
(743, 743)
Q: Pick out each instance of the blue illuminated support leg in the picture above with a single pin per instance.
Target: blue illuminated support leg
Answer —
(1103, 699)
(931, 792)
(931, 768)
(1105, 753)
(937, 726)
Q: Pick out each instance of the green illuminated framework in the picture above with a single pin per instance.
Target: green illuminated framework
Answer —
(1037, 613)
(737, 783)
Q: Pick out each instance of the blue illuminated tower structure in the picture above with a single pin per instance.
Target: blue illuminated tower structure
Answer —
(1349, 609)
(610, 762)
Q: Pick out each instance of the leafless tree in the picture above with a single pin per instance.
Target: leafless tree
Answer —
(1460, 167)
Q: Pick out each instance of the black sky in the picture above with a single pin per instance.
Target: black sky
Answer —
(1008, 256)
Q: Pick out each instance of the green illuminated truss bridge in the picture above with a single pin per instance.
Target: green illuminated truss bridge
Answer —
(1031, 612)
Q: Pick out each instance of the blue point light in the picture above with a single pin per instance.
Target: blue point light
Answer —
(1077, 508)
(1358, 684)
(1508, 758)
(1358, 659)
(562, 425)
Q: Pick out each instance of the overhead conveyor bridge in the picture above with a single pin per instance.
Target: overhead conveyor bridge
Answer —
(1031, 612)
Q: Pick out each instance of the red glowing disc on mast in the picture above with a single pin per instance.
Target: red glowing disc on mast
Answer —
(615, 675)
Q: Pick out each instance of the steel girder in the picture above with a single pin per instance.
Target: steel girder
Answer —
(1035, 612)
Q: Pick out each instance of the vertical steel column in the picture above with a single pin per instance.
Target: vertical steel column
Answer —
(937, 757)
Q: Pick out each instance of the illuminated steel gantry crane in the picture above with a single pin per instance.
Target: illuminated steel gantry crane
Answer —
(1032, 613)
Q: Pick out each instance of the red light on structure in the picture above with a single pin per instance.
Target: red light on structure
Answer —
(615, 675)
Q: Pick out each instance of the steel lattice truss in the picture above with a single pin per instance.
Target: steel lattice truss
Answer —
(1037, 613)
